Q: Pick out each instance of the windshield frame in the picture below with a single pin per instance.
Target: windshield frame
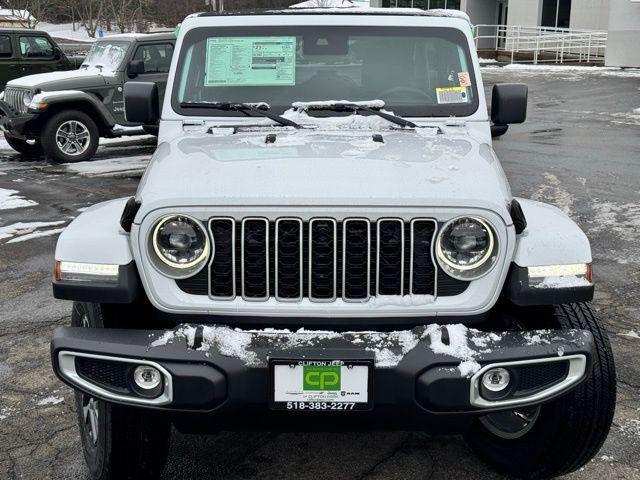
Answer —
(425, 111)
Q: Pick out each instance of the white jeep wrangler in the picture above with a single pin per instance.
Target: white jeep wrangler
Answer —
(325, 239)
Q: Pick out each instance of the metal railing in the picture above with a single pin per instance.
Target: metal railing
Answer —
(542, 44)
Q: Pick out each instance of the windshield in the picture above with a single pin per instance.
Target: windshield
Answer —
(418, 72)
(106, 56)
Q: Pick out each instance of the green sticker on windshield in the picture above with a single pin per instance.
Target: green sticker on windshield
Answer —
(250, 61)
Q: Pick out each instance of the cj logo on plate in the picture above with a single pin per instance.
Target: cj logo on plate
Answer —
(321, 378)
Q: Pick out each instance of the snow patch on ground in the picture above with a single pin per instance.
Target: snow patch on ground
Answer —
(565, 281)
(25, 229)
(110, 167)
(9, 199)
(630, 334)
(623, 219)
(487, 60)
(31, 236)
(5, 412)
(575, 70)
(630, 428)
(50, 400)
(553, 192)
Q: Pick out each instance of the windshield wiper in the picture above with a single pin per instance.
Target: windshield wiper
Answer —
(259, 108)
(373, 106)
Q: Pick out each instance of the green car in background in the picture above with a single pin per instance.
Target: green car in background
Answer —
(26, 52)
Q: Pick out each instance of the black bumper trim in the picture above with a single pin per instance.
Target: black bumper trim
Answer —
(242, 387)
(13, 122)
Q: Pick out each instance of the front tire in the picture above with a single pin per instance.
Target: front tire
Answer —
(118, 442)
(70, 136)
(25, 148)
(562, 435)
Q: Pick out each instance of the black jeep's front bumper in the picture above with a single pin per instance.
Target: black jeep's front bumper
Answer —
(210, 390)
(14, 123)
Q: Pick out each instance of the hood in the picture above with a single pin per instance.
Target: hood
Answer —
(67, 80)
(325, 168)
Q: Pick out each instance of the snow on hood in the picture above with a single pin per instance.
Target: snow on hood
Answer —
(39, 79)
(333, 165)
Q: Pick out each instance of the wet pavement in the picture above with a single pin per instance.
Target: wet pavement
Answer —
(579, 149)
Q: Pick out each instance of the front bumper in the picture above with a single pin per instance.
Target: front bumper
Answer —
(12, 122)
(427, 378)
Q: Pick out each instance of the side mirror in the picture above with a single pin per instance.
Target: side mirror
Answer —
(141, 102)
(508, 105)
(57, 53)
(135, 68)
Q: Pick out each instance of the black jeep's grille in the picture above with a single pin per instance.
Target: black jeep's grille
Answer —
(321, 260)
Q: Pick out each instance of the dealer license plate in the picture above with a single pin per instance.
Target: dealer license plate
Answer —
(321, 385)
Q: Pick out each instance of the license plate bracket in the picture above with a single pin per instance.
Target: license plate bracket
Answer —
(320, 384)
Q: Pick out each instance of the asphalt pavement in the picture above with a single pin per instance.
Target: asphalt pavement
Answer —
(579, 150)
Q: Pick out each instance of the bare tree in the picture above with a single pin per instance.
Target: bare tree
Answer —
(89, 13)
(123, 13)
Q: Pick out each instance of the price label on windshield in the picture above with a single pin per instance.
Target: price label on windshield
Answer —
(250, 61)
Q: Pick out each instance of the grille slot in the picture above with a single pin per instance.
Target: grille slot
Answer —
(422, 273)
(108, 374)
(323, 240)
(221, 270)
(356, 259)
(288, 259)
(390, 274)
(255, 259)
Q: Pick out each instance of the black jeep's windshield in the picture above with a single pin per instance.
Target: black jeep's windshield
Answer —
(416, 72)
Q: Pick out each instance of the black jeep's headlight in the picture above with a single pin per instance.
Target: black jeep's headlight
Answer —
(181, 246)
(466, 248)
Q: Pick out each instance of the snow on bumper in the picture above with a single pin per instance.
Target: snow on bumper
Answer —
(430, 368)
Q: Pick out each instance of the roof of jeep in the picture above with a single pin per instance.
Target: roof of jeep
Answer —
(139, 37)
(22, 30)
(415, 12)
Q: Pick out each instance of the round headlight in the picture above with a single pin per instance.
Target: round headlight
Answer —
(466, 248)
(26, 98)
(181, 246)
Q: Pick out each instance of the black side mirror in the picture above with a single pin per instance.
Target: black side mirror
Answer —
(141, 102)
(508, 105)
(57, 53)
(135, 68)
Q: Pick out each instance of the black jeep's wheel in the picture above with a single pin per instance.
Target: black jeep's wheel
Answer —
(70, 136)
(561, 436)
(118, 442)
(25, 148)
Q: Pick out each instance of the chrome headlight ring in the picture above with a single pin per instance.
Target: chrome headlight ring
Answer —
(179, 246)
(482, 249)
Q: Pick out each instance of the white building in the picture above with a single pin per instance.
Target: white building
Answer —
(620, 18)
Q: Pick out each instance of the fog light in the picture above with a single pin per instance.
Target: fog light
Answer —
(147, 377)
(496, 379)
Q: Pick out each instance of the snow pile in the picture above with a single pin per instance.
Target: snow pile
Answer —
(457, 347)
(324, 4)
(630, 334)
(9, 200)
(50, 400)
(320, 104)
(571, 70)
(347, 122)
(24, 229)
(381, 344)
(111, 167)
(565, 281)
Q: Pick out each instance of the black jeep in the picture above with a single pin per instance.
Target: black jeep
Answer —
(63, 114)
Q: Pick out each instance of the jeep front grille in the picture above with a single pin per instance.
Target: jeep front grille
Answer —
(15, 98)
(321, 260)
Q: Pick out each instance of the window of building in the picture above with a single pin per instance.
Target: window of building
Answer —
(556, 13)
(36, 47)
(5, 46)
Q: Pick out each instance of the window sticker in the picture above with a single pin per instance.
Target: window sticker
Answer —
(464, 79)
(250, 61)
(452, 95)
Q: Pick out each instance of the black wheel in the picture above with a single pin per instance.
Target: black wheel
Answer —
(70, 136)
(28, 149)
(118, 442)
(561, 436)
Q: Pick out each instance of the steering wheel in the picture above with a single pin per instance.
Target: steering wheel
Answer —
(410, 91)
